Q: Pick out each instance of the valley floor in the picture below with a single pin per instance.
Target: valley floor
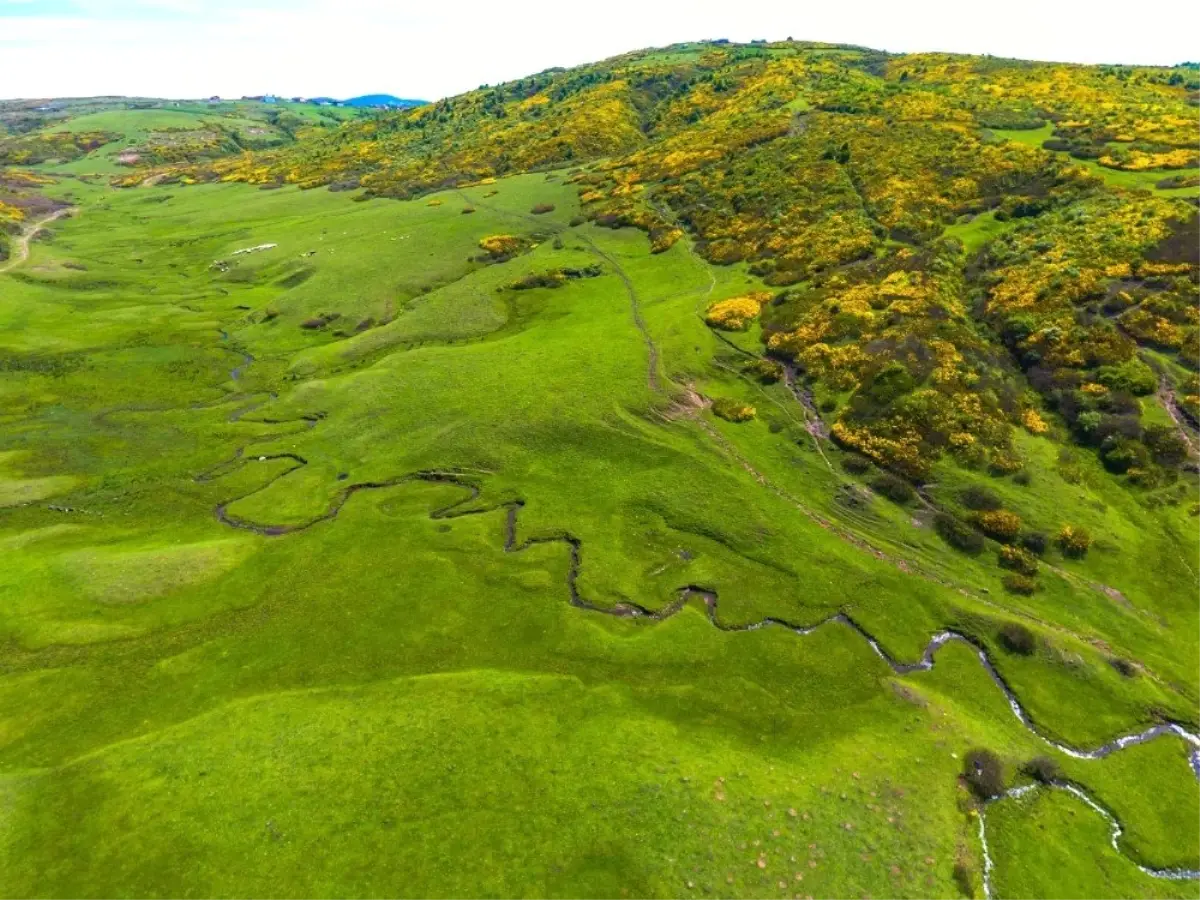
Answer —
(338, 566)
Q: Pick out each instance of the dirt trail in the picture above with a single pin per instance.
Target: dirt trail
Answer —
(1166, 396)
(652, 379)
(20, 247)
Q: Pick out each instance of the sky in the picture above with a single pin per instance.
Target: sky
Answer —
(427, 50)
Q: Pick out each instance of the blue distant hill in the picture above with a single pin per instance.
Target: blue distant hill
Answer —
(382, 100)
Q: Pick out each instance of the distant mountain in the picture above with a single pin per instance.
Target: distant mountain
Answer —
(382, 100)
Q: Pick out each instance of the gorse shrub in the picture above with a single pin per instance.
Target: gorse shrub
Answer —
(1016, 583)
(765, 370)
(1074, 541)
(999, 524)
(736, 313)
(732, 410)
(1018, 560)
(540, 209)
(500, 247)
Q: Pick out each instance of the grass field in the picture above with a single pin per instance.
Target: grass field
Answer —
(1146, 180)
(399, 691)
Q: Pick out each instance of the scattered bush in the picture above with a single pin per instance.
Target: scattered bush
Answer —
(1018, 560)
(1124, 666)
(1074, 541)
(1035, 542)
(957, 534)
(1005, 463)
(732, 410)
(1023, 478)
(736, 313)
(551, 279)
(963, 879)
(1043, 769)
(554, 277)
(500, 247)
(542, 208)
(984, 773)
(467, 210)
(1019, 584)
(1000, 524)
(856, 464)
(320, 321)
(765, 370)
(893, 487)
(576, 221)
(1016, 638)
(1165, 445)
(979, 498)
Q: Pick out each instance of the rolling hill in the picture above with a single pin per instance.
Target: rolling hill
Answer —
(720, 470)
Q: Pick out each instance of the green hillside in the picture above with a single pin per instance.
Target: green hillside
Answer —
(723, 470)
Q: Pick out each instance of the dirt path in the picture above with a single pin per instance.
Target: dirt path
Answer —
(635, 307)
(20, 247)
(652, 379)
(1166, 396)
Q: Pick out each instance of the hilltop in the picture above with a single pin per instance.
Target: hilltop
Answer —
(756, 470)
(382, 100)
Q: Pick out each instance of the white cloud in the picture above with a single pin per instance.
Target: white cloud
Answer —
(188, 48)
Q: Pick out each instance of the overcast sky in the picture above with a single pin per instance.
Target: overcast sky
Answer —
(192, 48)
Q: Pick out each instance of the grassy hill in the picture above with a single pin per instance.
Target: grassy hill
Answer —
(718, 471)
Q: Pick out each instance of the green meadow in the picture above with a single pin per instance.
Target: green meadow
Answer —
(311, 520)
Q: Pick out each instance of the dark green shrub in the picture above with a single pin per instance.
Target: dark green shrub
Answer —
(1035, 542)
(1165, 445)
(1124, 666)
(1019, 584)
(1022, 478)
(542, 208)
(1043, 769)
(979, 498)
(984, 773)
(962, 878)
(957, 534)
(1016, 638)
(765, 370)
(855, 464)
(893, 487)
